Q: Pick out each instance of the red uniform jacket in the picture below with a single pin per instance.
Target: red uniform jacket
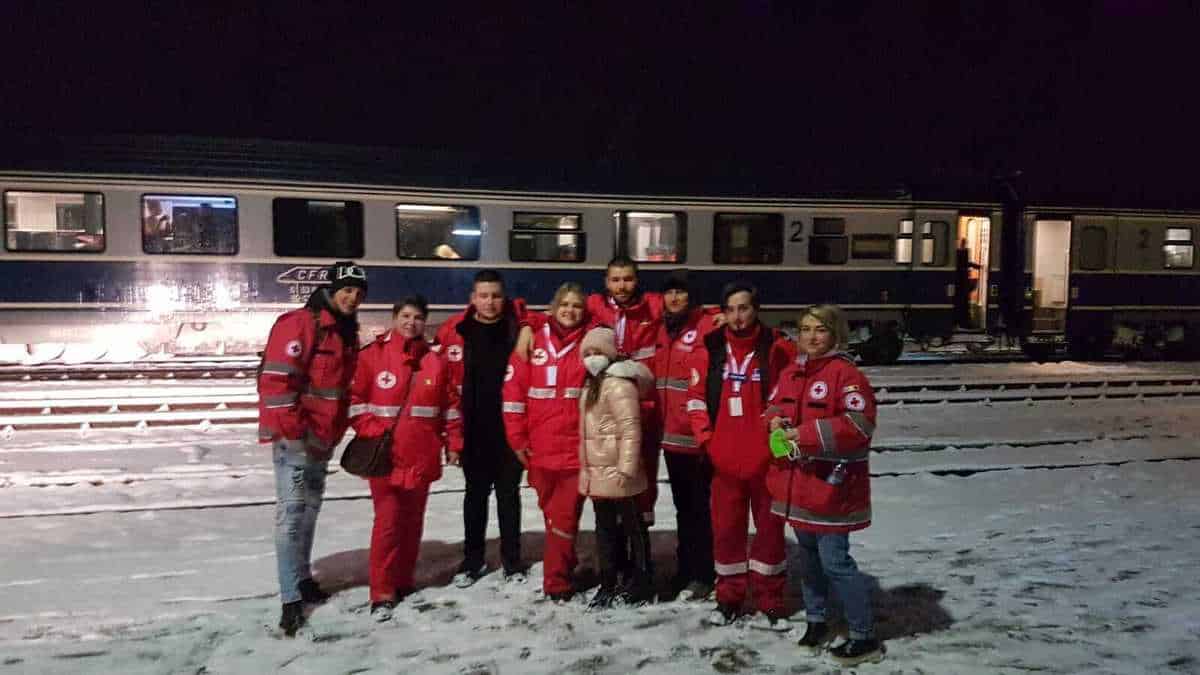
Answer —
(405, 378)
(302, 390)
(735, 443)
(636, 326)
(672, 372)
(542, 412)
(830, 403)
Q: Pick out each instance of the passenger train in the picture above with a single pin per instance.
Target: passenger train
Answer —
(164, 254)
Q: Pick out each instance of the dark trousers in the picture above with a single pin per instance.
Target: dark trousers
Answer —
(620, 530)
(691, 490)
(484, 469)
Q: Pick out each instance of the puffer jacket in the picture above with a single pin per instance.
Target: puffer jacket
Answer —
(429, 417)
(303, 389)
(610, 433)
(832, 407)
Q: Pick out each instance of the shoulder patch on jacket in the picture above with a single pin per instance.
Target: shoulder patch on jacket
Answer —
(849, 388)
(454, 353)
(294, 348)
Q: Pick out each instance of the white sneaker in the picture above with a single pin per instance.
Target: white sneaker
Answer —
(382, 611)
(765, 621)
(467, 578)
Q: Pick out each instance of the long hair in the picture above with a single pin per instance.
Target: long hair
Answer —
(834, 319)
(563, 291)
(593, 383)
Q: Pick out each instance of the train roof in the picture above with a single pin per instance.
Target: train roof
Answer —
(272, 161)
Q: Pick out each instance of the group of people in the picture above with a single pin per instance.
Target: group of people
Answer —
(585, 398)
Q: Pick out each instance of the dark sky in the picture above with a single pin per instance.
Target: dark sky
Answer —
(1100, 91)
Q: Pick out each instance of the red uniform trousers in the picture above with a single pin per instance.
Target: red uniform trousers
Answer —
(395, 537)
(733, 501)
(561, 504)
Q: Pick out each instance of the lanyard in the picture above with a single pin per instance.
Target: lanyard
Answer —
(556, 355)
(734, 372)
(620, 325)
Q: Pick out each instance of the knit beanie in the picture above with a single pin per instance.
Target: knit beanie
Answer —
(602, 340)
(346, 273)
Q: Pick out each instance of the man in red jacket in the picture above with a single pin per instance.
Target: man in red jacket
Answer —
(730, 379)
(303, 392)
(477, 344)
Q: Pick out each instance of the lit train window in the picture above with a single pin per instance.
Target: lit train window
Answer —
(189, 224)
(1093, 248)
(652, 236)
(935, 245)
(1178, 249)
(547, 237)
(748, 238)
(314, 228)
(58, 222)
(431, 232)
(904, 242)
(872, 246)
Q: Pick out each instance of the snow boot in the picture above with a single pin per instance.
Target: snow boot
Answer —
(815, 639)
(311, 592)
(853, 652)
(292, 617)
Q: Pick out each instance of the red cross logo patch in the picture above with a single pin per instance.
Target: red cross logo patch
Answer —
(454, 353)
(540, 357)
(818, 390)
(689, 337)
(855, 402)
(385, 379)
(294, 348)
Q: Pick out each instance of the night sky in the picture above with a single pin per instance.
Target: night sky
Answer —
(1100, 93)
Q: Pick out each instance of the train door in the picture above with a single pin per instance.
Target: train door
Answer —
(972, 262)
(1051, 274)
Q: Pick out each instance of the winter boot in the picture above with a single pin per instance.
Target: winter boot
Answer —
(815, 639)
(292, 618)
(516, 576)
(853, 652)
(311, 592)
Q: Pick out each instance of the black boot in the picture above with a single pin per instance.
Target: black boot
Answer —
(292, 617)
(311, 592)
(815, 638)
(854, 652)
(641, 584)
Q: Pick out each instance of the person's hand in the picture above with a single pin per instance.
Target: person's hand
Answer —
(453, 458)
(522, 456)
(622, 479)
(718, 319)
(792, 433)
(524, 344)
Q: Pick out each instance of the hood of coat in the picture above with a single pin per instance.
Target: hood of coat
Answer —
(635, 371)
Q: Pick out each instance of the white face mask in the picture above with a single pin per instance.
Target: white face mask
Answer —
(596, 363)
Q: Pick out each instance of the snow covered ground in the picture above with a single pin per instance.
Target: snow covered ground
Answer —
(122, 554)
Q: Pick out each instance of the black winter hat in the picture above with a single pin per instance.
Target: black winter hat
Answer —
(677, 280)
(345, 273)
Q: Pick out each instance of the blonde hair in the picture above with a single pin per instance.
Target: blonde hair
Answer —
(563, 291)
(834, 319)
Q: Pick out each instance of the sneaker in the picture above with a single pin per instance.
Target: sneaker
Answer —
(311, 592)
(631, 598)
(815, 639)
(604, 598)
(515, 577)
(382, 611)
(853, 652)
(696, 591)
(724, 614)
(467, 577)
(292, 618)
(773, 620)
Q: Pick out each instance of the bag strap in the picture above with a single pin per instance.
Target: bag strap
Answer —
(319, 334)
(412, 380)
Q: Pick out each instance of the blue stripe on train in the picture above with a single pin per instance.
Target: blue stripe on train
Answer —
(125, 282)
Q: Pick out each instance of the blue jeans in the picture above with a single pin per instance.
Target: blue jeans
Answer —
(825, 560)
(299, 489)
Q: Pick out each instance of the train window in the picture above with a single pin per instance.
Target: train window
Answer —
(547, 237)
(315, 228)
(428, 232)
(904, 242)
(935, 242)
(652, 236)
(1093, 248)
(1178, 248)
(748, 238)
(873, 246)
(58, 222)
(189, 224)
(829, 226)
(827, 250)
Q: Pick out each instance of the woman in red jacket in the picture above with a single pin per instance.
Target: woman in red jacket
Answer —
(400, 382)
(826, 409)
(541, 421)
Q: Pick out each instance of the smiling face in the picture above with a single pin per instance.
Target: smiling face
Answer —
(409, 322)
(740, 313)
(569, 311)
(621, 283)
(815, 337)
(347, 299)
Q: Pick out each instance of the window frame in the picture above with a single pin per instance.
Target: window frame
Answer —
(1083, 258)
(945, 257)
(815, 236)
(622, 236)
(237, 224)
(775, 218)
(578, 232)
(1190, 242)
(306, 200)
(909, 236)
(103, 221)
(454, 207)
